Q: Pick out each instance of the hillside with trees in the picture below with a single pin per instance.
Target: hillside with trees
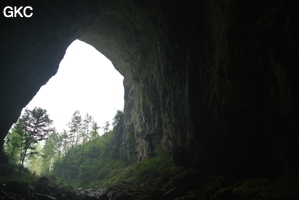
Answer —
(35, 142)
(82, 153)
(80, 157)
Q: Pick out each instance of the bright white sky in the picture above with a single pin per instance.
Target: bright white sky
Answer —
(86, 81)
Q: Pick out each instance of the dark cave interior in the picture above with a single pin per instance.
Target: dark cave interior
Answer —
(219, 78)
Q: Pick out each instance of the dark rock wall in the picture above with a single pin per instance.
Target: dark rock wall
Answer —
(217, 77)
(246, 108)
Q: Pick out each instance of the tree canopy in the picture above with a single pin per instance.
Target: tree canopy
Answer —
(36, 125)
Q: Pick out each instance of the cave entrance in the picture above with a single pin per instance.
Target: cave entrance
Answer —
(86, 81)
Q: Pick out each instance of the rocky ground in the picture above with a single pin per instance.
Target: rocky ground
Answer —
(184, 185)
(46, 189)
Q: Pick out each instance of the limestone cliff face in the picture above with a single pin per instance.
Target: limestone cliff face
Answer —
(216, 77)
(140, 46)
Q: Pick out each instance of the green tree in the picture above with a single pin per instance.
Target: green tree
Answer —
(59, 145)
(65, 144)
(94, 132)
(75, 126)
(106, 127)
(50, 150)
(86, 130)
(35, 162)
(13, 142)
(117, 118)
(36, 125)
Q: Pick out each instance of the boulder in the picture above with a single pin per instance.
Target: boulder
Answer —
(52, 189)
(43, 181)
(52, 179)
(46, 191)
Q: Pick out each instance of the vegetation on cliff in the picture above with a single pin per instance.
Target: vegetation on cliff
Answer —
(80, 156)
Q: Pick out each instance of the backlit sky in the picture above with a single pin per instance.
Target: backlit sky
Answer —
(86, 81)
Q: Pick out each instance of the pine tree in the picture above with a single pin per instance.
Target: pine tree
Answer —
(106, 127)
(65, 144)
(36, 161)
(50, 150)
(117, 118)
(85, 130)
(94, 132)
(75, 126)
(13, 142)
(36, 125)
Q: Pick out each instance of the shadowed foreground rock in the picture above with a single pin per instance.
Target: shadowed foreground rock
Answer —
(181, 186)
(186, 186)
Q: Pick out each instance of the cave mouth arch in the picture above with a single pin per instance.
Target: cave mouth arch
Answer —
(86, 81)
(34, 58)
(174, 58)
(135, 42)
